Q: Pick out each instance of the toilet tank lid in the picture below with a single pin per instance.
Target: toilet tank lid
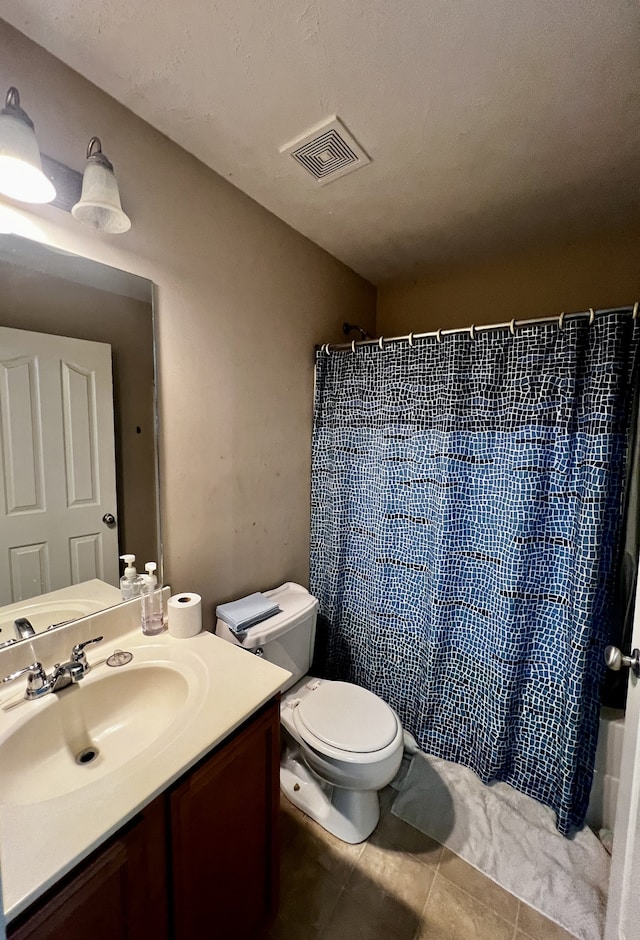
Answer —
(295, 604)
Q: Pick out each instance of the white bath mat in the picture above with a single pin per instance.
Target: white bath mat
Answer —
(512, 839)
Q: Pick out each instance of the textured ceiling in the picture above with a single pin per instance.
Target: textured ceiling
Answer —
(490, 123)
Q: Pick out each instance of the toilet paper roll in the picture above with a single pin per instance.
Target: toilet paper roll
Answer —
(184, 615)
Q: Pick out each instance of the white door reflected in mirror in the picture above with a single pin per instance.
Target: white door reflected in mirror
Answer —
(57, 472)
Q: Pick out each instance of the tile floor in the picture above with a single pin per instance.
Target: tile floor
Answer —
(400, 885)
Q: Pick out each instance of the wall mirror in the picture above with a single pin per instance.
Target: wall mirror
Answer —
(78, 429)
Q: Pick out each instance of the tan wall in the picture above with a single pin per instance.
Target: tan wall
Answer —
(241, 300)
(538, 283)
(31, 300)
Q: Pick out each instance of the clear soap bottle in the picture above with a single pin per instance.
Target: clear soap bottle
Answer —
(152, 621)
(131, 581)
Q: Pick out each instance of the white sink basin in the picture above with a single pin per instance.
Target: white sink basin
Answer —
(70, 739)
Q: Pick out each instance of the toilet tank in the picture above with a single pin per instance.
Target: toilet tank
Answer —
(287, 638)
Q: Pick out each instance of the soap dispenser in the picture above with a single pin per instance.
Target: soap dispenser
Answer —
(130, 582)
(152, 621)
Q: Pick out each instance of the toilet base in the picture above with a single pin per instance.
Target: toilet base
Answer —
(350, 815)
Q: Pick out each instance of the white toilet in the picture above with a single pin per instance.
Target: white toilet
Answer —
(342, 743)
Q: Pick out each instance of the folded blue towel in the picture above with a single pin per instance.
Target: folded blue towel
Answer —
(242, 614)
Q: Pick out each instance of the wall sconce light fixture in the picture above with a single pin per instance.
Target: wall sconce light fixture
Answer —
(21, 175)
(99, 204)
(92, 198)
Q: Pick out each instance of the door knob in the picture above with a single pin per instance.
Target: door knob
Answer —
(615, 659)
(109, 519)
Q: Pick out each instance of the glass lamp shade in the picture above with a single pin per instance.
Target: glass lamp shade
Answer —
(99, 205)
(21, 175)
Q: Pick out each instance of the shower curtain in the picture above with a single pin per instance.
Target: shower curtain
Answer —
(465, 507)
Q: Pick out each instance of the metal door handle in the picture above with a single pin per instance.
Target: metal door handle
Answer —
(109, 519)
(615, 659)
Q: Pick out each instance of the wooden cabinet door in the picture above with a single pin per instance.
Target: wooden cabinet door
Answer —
(118, 893)
(224, 852)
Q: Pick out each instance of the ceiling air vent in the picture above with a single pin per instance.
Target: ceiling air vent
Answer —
(327, 151)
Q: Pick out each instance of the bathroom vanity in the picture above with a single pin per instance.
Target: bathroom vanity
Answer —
(177, 817)
(174, 870)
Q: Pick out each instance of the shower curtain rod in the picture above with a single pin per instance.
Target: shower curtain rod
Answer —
(382, 341)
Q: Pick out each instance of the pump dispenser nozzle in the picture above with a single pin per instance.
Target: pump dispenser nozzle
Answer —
(130, 581)
(128, 560)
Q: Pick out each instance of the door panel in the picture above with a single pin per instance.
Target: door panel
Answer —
(80, 435)
(86, 557)
(29, 569)
(623, 909)
(21, 437)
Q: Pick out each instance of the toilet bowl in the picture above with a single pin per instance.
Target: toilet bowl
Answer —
(341, 743)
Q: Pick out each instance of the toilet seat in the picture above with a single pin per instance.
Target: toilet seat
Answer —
(347, 723)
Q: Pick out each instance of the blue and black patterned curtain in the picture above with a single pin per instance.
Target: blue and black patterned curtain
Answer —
(465, 510)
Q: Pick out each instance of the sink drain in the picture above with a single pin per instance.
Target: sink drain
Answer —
(86, 755)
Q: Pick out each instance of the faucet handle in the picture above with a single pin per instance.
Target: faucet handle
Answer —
(37, 681)
(78, 655)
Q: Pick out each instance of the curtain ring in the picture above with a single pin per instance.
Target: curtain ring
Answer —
(561, 321)
(472, 332)
(327, 350)
(439, 335)
(410, 338)
(635, 310)
(381, 342)
(592, 316)
(353, 345)
(512, 327)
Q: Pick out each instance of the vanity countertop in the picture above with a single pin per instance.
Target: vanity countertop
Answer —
(42, 840)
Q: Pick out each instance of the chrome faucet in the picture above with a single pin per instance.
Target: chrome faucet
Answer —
(62, 674)
(23, 628)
